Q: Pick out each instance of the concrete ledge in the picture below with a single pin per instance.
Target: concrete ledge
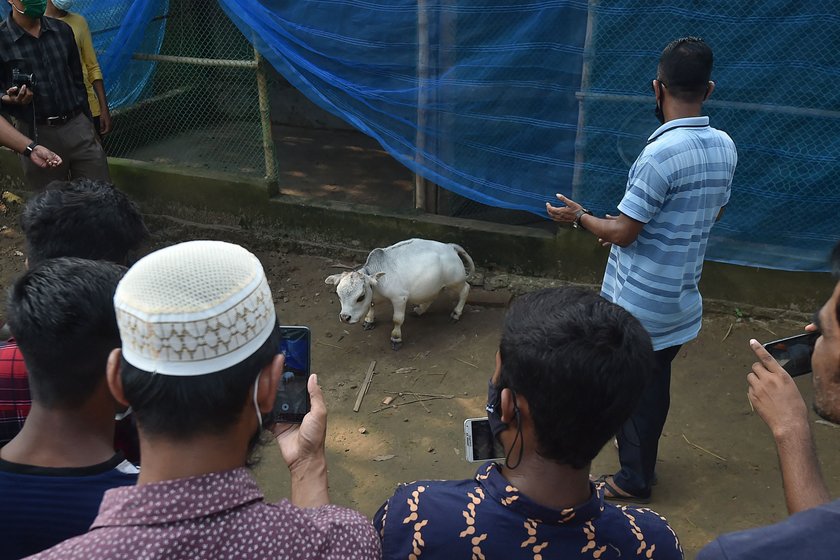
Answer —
(243, 204)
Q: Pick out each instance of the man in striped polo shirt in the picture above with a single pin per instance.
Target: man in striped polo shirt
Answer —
(676, 190)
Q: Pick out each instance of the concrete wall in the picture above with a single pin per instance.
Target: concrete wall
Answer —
(243, 207)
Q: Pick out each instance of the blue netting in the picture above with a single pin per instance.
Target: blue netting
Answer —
(486, 106)
(507, 102)
(119, 29)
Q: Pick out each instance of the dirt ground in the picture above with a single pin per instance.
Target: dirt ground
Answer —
(717, 470)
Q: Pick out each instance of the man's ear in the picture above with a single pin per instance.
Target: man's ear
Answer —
(509, 405)
(269, 379)
(709, 89)
(112, 374)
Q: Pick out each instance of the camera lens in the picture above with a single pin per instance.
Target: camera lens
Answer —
(284, 407)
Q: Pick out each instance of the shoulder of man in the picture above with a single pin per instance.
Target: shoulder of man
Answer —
(651, 529)
(810, 534)
(346, 532)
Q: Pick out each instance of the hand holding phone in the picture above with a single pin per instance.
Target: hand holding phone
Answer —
(292, 401)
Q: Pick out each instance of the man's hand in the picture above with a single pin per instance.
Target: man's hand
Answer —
(15, 96)
(105, 121)
(42, 157)
(563, 214)
(775, 397)
(302, 446)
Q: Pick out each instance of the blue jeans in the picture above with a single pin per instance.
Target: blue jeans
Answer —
(638, 438)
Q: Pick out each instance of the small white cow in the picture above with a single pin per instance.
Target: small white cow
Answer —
(409, 272)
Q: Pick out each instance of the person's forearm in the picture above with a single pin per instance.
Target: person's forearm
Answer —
(309, 484)
(99, 90)
(801, 477)
(608, 230)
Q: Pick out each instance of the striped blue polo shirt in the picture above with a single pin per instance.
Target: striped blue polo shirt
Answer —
(676, 187)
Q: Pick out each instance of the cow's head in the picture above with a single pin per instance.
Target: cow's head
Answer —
(355, 292)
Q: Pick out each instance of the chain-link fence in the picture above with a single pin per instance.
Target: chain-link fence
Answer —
(202, 106)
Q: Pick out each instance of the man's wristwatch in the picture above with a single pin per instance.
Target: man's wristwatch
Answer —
(578, 214)
(27, 151)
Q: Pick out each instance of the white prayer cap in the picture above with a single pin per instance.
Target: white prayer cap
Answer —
(193, 308)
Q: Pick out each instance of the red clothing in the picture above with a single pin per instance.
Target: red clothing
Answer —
(15, 401)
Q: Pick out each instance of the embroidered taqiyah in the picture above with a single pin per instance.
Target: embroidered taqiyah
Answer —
(194, 308)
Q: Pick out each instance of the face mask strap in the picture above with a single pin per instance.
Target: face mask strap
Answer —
(256, 404)
(518, 438)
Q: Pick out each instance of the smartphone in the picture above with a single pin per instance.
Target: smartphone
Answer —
(479, 443)
(794, 353)
(292, 401)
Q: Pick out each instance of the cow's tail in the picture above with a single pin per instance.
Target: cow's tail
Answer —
(464, 257)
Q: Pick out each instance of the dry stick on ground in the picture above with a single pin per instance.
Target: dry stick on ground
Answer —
(435, 395)
(365, 386)
(328, 344)
(420, 399)
(703, 449)
(466, 362)
(728, 332)
(416, 396)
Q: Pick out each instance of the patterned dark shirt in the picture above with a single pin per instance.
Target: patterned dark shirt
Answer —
(15, 401)
(217, 516)
(486, 518)
(53, 59)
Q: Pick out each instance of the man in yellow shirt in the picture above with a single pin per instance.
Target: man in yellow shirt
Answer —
(92, 74)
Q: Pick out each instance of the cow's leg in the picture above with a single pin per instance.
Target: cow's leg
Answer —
(422, 308)
(463, 292)
(399, 317)
(370, 320)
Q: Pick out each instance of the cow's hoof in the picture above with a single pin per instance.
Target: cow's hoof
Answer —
(396, 344)
(368, 326)
(455, 316)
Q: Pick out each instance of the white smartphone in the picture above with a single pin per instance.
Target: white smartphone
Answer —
(479, 443)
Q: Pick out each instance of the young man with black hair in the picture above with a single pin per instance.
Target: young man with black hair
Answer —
(676, 190)
(811, 530)
(569, 371)
(54, 472)
(200, 365)
(80, 218)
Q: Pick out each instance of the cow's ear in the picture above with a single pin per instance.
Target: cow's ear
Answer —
(374, 280)
(334, 279)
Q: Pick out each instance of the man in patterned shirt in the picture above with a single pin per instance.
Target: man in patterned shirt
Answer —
(570, 369)
(676, 190)
(200, 365)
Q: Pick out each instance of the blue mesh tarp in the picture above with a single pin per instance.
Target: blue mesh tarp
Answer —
(481, 97)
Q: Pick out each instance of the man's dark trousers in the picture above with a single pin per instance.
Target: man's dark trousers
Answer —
(638, 439)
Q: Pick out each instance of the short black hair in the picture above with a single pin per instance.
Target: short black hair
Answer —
(685, 67)
(82, 218)
(180, 408)
(581, 362)
(61, 313)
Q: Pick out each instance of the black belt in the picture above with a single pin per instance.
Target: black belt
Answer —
(59, 120)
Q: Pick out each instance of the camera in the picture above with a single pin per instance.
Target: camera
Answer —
(21, 79)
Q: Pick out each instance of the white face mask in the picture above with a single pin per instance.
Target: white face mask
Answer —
(63, 5)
